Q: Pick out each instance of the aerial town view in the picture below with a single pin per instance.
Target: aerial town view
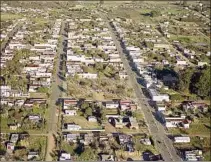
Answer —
(105, 81)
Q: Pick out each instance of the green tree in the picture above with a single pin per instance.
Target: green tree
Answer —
(202, 85)
(185, 77)
(87, 155)
(155, 13)
(88, 111)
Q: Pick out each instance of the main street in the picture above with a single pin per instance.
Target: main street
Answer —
(56, 91)
(162, 142)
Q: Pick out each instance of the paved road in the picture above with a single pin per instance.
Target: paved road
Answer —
(56, 92)
(165, 146)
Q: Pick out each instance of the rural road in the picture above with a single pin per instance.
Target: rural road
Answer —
(56, 92)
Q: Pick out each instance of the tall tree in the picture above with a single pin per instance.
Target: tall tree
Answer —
(185, 80)
(202, 85)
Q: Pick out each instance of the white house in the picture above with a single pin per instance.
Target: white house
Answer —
(92, 119)
(87, 75)
(64, 156)
(182, 139)
(70, 112)
(180, 62)
(156, 96)
(73, 127)
(111, 105)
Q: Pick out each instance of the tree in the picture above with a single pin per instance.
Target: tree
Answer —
(88, 111)
(155, 13)
(185, 77)
(202, 84)
(99, 66)
(87, 155)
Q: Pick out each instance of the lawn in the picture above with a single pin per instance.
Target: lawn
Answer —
(36, 143)
(80, 120)
(9, 16)
(199, 129)
(38, 95)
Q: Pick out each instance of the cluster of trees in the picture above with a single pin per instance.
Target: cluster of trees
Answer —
(190, 80)
(91, 109)
(195, 81)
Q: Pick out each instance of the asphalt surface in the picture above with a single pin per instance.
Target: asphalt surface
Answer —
(162, 142)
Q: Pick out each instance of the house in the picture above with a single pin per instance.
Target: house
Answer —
(146, 141)
(124, 138)
(111, 105)
(69, 103)
(156, 96)
(64, 156)
(193, 155)
(32, 154)
(14, 126)
(88, 138)
(14, 138)
(35, 118)
(160, 106)
(105, 157)
(123, 75)
(118, 123)
(71, 137)
(87, 75)
(72, 127)
(19, 102)
(133, 123)
(201, 64)
(92, 119)
(10, 147)
(70, 112)
(180, 62)
(172, 122)
(186, 105)
(181, 139)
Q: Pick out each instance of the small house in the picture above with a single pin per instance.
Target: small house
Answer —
(33, 154)
(70, 112)
(181, 139)
(64, 156)
(92, 119)
(111, 105)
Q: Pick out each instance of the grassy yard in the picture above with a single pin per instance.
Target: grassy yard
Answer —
(36, 143)
(9, 16)
(38, 95)
(199, 129)
(80, 120)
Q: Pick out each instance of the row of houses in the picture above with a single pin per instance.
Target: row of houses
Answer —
(95, 39)
(38, 66)
(145, 70)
